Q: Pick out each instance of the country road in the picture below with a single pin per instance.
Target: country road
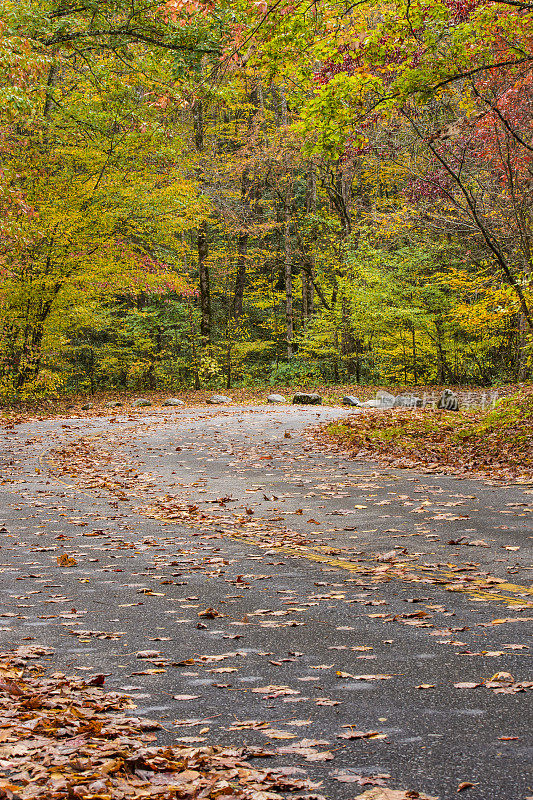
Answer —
(247, 587)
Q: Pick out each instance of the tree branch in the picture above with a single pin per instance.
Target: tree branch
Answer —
(129, 34)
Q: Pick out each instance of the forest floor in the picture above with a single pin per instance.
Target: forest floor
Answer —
(496, 443)
(223, 571)
(331, 395)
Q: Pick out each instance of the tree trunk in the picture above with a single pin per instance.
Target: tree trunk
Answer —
(415, 364)
(289, 320)
(358, 360)
(287, 254)
(251, 208)
(53, 73)
(242, 246)
(205, 295)
(442, 356)
(522, 337)
(229, 345)
(307, 277)
(240, 279)
(195, 364)
(305, 300)
(198, 124)
(348, 338)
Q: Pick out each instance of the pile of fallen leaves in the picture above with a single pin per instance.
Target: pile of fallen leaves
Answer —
(496, 445)
(64, 737)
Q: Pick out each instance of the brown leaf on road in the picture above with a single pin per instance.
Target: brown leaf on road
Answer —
(502, 677)
(305, 749)
(378, 677)
(325, 701)
(186, 696)
(390, 555)
(273, 733)
(346, 776)
(465, 785)
(324, 755)
(210, 613)
(468, 685)
(272, 691)
(351, 734)
(97, 680)
(11, 688)
(190, 739)
(148, 654)
(64, 560)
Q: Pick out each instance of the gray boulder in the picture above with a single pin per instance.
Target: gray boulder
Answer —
(407, 401)
(351, 400)
(276, 398)
(371, 404)
(385, 399)
(218, 399)
(172, 401)
(304, 399)
(113, 404)
(141, 403)
(448, 401)
(87, 406)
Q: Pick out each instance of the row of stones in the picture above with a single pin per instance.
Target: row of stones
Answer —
(448, 401)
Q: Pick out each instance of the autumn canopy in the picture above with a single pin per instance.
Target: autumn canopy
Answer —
(235, 193)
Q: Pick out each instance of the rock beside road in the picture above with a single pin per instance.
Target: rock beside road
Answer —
(304, 399)
(141, 403)
(172, 401)
(276, 398)
(219, 399)
(351, 400)
(448, 401)
(407, 401)
(385, 399)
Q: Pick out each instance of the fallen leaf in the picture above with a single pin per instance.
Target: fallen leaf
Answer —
(186, 696)
(65, 560)
(467, 685)
(346, 776)
(502, 677)
(209, 613)
(351, 734)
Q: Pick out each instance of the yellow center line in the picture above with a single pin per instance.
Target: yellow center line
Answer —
(476, 587)
(397, 572)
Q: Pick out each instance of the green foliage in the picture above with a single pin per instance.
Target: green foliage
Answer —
(316, 151)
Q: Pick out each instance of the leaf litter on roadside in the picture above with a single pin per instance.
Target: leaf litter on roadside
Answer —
(64, 737)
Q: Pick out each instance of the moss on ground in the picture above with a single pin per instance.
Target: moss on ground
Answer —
(497, 443)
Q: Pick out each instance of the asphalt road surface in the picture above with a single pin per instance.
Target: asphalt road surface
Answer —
(247, 587)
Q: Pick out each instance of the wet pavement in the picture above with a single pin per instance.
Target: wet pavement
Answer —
(249, 588)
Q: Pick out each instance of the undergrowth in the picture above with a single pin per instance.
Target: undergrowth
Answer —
(497, 443)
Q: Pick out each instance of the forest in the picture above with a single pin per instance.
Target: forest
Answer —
(216, 193)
